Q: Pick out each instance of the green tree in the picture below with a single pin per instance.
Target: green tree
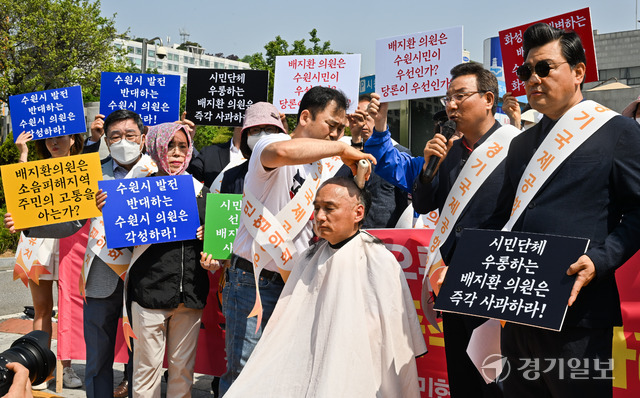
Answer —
(9, 154)
(46, 44)
(188, 43)
(279, 47)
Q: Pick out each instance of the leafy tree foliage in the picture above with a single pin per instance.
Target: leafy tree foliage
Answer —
(9, 154)
(188, 43)
(46, 44)
(279, 47)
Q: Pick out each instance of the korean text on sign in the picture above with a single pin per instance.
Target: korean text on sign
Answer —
(578, 21)
(219, 97)
(49, 113)
(417, 65)
(53, 190)
(156, 98)
(142, 211)
(297, 74)
(221, 224)
(513, 276)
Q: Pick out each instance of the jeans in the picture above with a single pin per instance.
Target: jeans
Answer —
(238, 299)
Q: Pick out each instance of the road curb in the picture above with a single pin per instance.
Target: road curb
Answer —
(7, 263)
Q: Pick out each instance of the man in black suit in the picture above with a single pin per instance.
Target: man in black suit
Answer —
(214, 158)
(471, 102)
(594, 193)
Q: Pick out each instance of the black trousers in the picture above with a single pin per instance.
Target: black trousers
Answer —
(575, 362)
(464, 378)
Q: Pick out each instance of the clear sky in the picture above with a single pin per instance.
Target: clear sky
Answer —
(244, 27)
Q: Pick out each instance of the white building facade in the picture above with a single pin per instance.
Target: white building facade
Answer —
(176, 62)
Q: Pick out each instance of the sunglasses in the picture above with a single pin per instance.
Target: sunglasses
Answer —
(542, 69)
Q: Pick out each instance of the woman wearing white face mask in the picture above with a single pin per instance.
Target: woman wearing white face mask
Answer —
(260, 120)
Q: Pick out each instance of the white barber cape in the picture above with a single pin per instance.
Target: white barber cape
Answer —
(345, 326)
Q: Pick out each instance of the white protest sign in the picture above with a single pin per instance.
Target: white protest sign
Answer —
(417, 65)
(296, 74)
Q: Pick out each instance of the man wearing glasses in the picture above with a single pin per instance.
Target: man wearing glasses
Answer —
(588, 156)
(471, 103)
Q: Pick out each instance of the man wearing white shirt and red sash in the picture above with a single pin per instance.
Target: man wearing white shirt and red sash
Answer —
(581, 170)
(463, 189)
(283, 175)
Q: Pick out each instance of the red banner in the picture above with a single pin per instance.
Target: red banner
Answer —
(410, 246)
(626, 339)
(70, 314)
(513, 55)
(70, 330)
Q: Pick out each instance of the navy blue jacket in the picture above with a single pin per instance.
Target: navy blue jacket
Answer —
(594, 194)
(431, 196)
(210, 162)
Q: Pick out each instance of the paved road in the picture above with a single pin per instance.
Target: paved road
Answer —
(14, 295)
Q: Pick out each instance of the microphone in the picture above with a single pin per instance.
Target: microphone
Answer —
(448, 129)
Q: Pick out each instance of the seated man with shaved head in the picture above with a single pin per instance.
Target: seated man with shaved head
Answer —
(345, 324)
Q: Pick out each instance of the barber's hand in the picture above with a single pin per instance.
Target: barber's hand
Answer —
(9, 224)
(208, 263)
(437, 146)
(97, 128)
(378, 111)
(585, 271)
(511, 108)
(101, 198)
(350, 156)
(21, 385)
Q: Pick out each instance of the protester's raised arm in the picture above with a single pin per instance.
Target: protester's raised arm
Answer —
(97, 128)
(21, 143)
(378, 112)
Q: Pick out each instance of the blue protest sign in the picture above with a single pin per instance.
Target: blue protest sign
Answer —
(48, 113)
(156, 98)
(141, 211)
(367, 85)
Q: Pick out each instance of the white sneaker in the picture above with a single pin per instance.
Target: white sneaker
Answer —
(70, 379)
(42, 386)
